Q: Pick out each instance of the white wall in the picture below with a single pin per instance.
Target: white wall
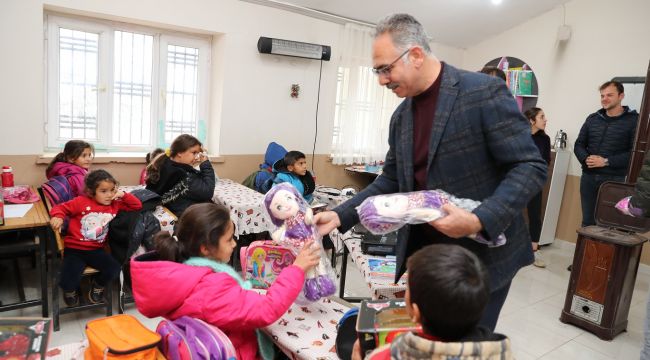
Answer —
(250, 102)
(609, 38)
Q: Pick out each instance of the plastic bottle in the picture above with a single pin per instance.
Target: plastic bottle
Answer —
(7, 176)
(2, 208)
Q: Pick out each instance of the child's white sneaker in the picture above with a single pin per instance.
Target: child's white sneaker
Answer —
(539, 261)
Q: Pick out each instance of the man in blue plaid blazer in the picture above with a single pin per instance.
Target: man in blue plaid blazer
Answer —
(461, 132)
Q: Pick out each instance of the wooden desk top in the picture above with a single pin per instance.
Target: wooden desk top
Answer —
(37, 216)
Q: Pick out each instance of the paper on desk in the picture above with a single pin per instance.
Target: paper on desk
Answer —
(16, 210)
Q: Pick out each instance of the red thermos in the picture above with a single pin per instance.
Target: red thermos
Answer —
(7, 176)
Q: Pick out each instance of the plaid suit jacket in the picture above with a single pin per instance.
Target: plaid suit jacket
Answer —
(480, 149)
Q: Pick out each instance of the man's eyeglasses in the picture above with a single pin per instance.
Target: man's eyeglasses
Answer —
(385, 70)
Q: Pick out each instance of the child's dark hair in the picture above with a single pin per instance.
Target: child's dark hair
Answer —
(494, 71)
(200, 224)
(450, 286)
(95, 177)
(179, 145)
(292, 157)
(71, 151)
(152, 155)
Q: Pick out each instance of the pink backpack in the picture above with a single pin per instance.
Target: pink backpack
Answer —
(262, 261)
(188, 338)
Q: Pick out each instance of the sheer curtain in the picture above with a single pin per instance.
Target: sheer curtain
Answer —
(363, 108)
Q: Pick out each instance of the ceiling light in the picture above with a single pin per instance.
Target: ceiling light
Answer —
(496, 2)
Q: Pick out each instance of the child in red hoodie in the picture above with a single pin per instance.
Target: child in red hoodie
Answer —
(86, 236)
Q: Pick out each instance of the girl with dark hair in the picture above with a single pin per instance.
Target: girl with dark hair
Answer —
(148, 159)
(73, 163)
(175, 179)
(537, 120)
(188, 275)
(86, 236)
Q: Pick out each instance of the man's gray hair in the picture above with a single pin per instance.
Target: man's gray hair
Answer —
(405, 32)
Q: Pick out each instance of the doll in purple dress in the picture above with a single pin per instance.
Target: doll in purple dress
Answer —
(382, 214)
(290, 213)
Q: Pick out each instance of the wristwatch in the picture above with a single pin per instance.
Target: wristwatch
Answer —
(606, 162)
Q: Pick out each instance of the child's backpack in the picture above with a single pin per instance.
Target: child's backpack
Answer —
(121, 337)
(266, 179)
(190, 338)
(58, 189)
(263, 260)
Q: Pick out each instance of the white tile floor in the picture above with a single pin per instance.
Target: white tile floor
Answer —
(529, 317)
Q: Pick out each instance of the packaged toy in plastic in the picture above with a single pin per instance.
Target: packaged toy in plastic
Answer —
(290, 213)
(382, 214)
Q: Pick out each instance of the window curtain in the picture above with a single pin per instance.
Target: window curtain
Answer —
(363, 108)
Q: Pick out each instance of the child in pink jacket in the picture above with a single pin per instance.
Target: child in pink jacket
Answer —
(188, 275)
(73, 163)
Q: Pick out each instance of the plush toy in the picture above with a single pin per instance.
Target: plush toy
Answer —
(382, 214)
(625, 207)
(290, 213)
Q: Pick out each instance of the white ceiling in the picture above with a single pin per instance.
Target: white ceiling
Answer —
(459, 23)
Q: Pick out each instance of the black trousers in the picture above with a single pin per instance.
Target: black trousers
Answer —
(493, 307)
(75, 261)
(535, 217)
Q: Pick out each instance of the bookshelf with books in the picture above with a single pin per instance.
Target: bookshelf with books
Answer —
(520, 79)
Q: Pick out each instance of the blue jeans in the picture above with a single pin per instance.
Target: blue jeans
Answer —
(589, 185)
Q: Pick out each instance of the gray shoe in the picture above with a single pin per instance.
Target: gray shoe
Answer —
(96, 294)
(71, 298)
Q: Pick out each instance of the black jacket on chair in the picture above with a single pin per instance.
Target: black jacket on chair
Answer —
(130, 229)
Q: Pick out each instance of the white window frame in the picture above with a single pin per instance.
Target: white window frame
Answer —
(202, 80)
(106, 68)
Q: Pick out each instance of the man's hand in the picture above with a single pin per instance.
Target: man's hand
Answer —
(458, 222)
(56, 223)
(326, 221)
(595, 161)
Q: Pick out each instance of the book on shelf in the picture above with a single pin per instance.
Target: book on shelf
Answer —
(525, 83)
(520, 81)
(24, 337)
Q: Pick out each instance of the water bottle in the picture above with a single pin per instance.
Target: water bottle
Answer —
(2, 207)
(7, 176)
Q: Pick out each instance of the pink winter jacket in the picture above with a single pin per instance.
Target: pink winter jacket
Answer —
(73, 172)
(172, 290)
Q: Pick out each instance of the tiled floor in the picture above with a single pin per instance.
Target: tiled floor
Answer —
(529, 317)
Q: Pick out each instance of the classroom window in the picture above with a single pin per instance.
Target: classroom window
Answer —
(361, 117)
(363, 107)
(123, 87)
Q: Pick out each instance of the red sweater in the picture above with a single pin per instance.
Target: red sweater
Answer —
(89, 220)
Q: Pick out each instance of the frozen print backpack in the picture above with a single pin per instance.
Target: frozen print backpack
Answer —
(262, 261)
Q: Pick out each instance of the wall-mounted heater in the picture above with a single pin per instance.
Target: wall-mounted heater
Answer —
(293, 48)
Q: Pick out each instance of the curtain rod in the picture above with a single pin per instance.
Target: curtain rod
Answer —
(309, 12)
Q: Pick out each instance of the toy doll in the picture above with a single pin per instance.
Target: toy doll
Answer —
(383, 214)
(290, 213)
